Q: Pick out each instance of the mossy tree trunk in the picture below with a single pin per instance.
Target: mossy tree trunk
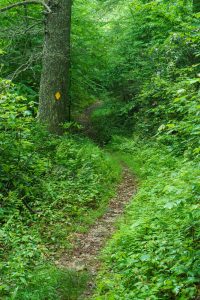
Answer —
(55, 78)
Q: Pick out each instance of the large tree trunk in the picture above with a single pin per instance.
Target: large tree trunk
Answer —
(55, 81)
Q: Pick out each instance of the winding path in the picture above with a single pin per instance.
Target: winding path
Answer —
(87, 246)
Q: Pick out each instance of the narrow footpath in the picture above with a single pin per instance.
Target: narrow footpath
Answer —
(88, 246)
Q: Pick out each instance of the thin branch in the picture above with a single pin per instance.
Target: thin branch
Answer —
(26, 3)
(25, 66)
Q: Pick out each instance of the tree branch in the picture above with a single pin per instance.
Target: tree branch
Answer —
(26, 3)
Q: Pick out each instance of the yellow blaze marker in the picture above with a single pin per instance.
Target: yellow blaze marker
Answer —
(58, 96)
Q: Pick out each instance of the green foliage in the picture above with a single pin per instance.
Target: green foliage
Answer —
(21, 40)
(155, 253)
(141, 58)
(153, 78)
(49, 187)
(49, 282)
(107, 120)
(153, 71)
(88, 59)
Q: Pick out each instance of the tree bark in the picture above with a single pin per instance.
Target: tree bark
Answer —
(55, 78)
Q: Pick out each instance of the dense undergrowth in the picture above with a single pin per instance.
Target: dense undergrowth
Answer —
(51, 186)
(155, 253)
(153, 73)
(141, 59)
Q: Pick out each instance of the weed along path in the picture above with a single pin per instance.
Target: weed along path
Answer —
(87, 246)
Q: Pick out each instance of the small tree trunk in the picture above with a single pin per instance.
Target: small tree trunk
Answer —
(54, 85)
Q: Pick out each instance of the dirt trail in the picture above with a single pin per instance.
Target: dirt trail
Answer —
(87, 246)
